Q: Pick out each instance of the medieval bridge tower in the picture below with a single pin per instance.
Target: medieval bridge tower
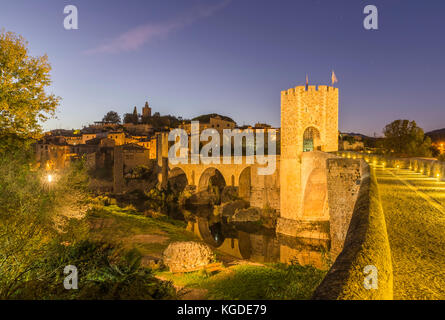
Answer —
(309, 123)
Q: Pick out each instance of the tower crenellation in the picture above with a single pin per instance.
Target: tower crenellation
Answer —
(303, 108)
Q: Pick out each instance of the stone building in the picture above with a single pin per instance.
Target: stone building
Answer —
(146, 111)
(214, 122)
(88, 136)
(118, 137)
(53, 155)
(73, 140)
(139, 129)
(134, 155)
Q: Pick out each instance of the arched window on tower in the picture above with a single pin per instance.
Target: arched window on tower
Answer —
(311, 140)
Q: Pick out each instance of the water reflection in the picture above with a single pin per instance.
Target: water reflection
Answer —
(251, 242)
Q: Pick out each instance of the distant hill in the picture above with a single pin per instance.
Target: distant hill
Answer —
(370, 142)
(206, 117)
(357, 135)
(436, 135)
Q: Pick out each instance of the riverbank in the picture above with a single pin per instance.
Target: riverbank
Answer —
(234, 278)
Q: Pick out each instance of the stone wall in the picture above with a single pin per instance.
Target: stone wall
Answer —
(344, 178)
(366, 244)
(429, 167)
(330, 191)
(118, 170)
(265, 189)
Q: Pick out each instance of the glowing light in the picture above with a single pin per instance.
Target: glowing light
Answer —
(49, 178)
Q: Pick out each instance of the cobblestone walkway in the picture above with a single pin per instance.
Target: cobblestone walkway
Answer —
(414, 207)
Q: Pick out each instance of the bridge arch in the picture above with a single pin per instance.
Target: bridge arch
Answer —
(315, 194)
(177, 179)
(211, 177)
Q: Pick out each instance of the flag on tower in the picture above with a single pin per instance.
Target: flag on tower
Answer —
(334, 78)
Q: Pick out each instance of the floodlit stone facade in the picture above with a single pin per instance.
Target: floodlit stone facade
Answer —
(309, 122)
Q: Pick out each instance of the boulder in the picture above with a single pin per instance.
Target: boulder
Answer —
(186, 256)
(228, 209)
(247, 215)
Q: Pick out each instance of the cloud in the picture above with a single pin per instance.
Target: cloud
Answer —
(141, 35)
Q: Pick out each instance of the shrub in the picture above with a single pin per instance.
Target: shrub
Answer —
(32, 215)
(105, 272)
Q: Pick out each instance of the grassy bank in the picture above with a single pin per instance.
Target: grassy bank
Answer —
(271, 281)
(150, 235)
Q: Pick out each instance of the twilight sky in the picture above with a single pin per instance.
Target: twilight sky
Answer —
(189, 57)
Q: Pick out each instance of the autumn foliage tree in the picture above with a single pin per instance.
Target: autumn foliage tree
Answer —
(24, 103)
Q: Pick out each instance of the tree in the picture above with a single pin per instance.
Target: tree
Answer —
(33, 215)
(24, 102)
(405, 138)
(112, 117)
(130, 118)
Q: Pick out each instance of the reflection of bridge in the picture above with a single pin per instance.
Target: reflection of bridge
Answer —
(260, 246)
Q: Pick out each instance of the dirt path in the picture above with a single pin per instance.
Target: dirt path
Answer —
(415, 218)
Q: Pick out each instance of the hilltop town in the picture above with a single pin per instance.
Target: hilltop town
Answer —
(137, 135)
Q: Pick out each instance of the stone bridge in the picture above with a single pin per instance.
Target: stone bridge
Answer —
(309, 202)
(312, 190)
(199, 175)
